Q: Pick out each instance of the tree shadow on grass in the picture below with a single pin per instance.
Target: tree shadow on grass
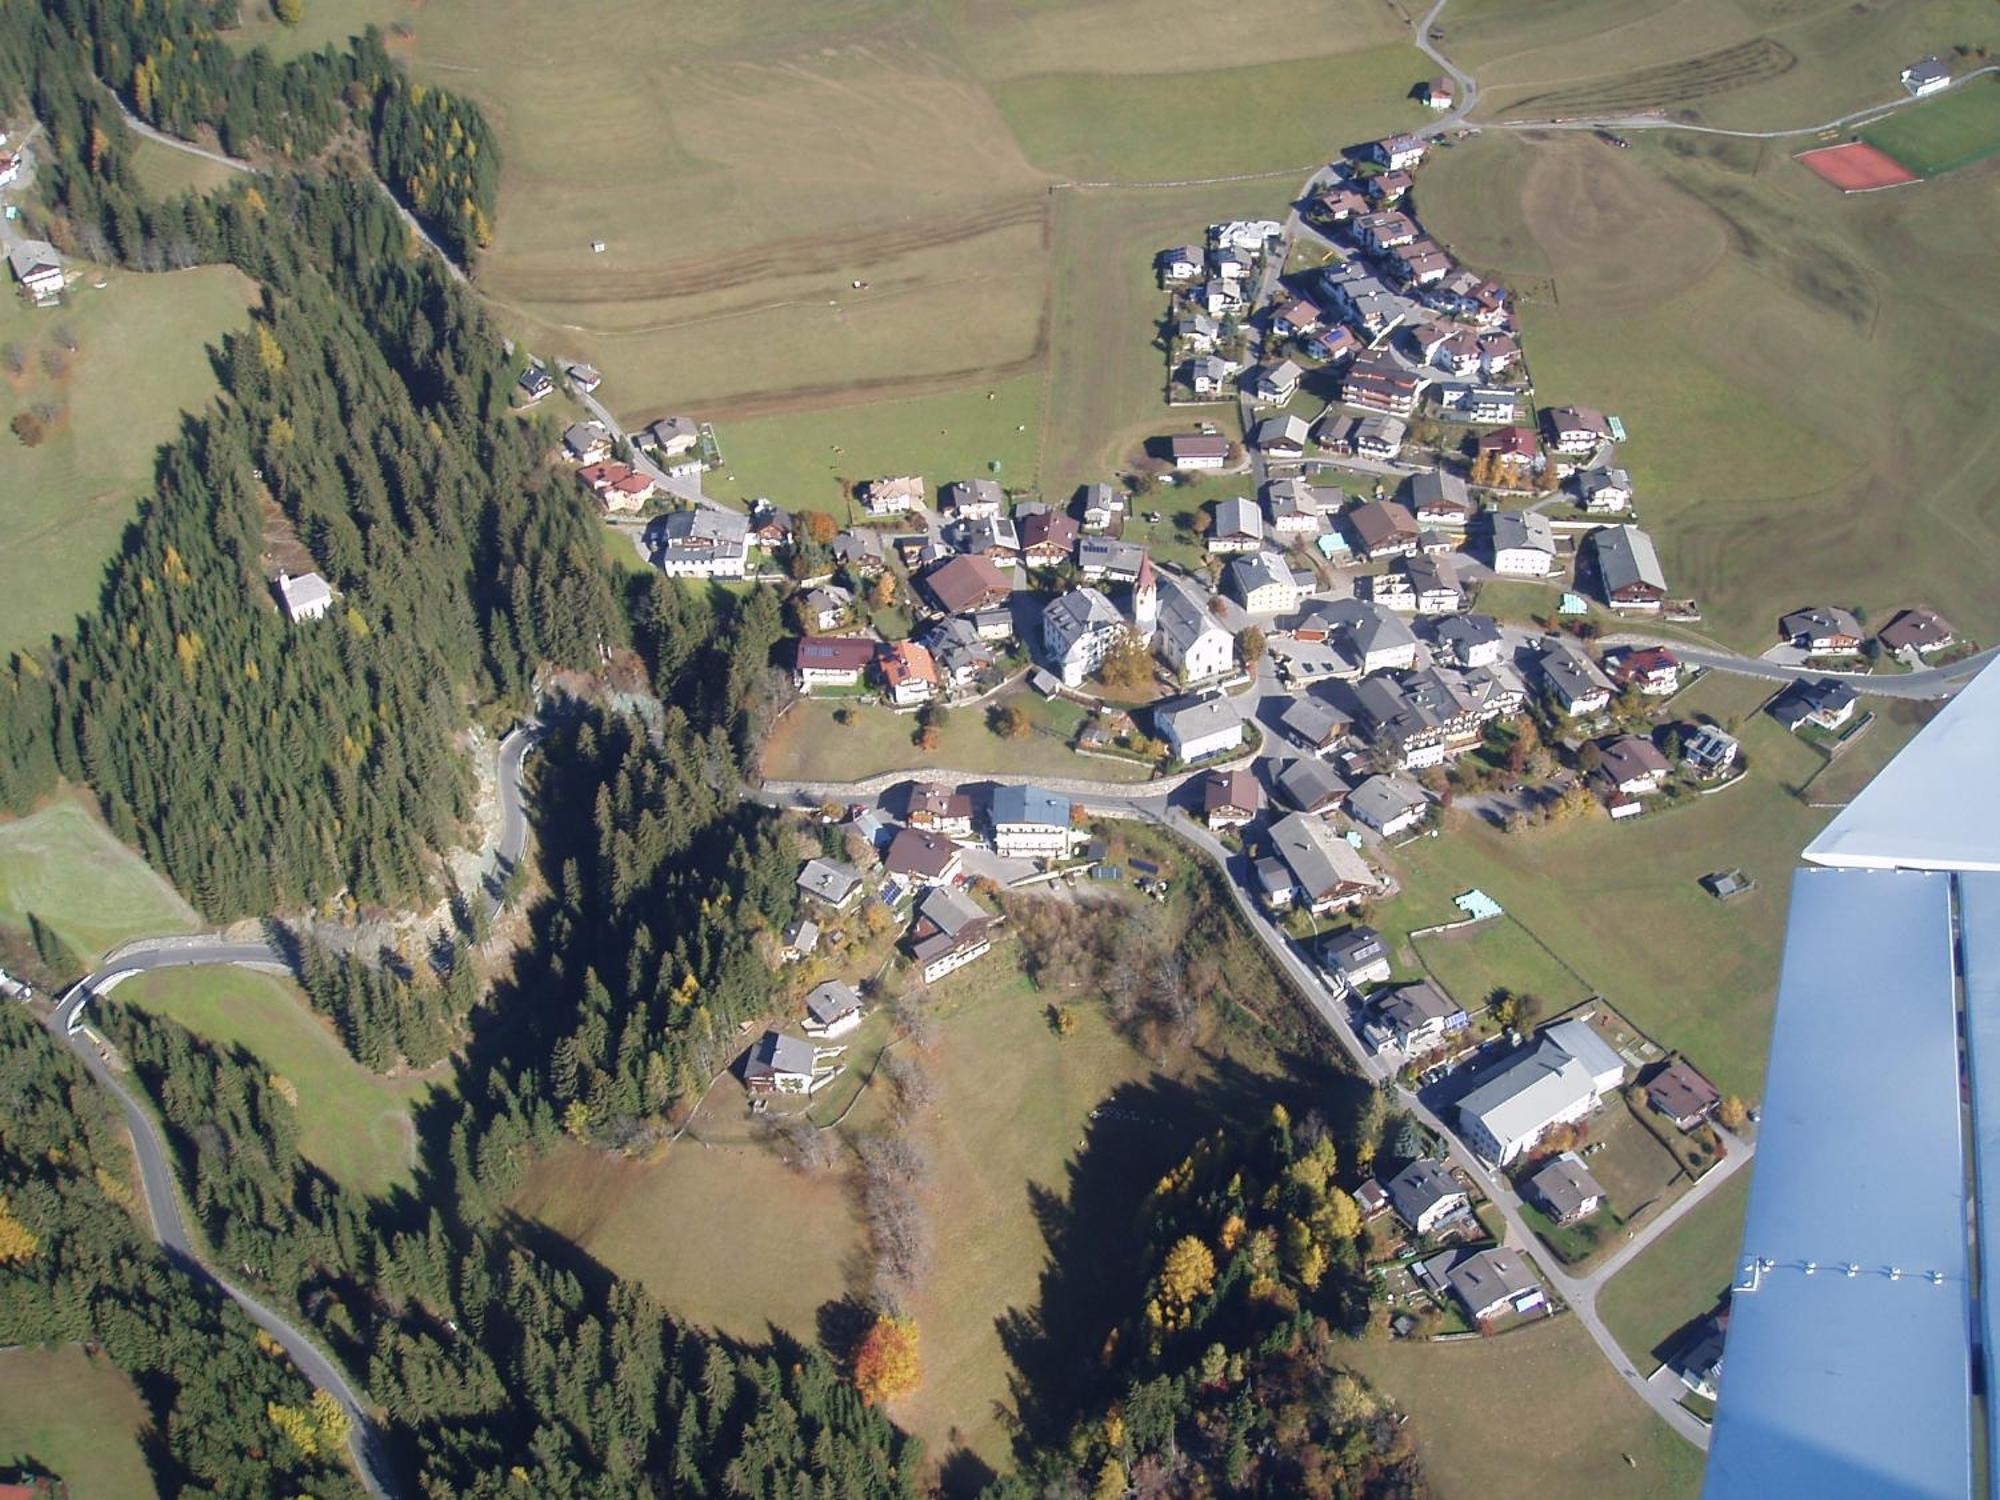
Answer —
(1093, 1226)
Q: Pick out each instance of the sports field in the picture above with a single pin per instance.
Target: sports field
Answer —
(1752, 328)
(1942, 135)
(141, 359)
(77, 1416)
(353, 1123)
(62, 865)
(1856, 167)
(1535, 1414)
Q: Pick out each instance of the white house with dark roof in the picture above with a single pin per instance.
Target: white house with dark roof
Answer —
(832, 1009)
(1030, 822)
(1263, 582)
(1079, 629)
(1426, 1196)
(1524, 544)
(830, 881)
(781, 1064)
(1326, 872)
(1487, 1283)
(1239, 527)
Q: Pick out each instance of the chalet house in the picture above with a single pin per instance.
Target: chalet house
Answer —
(1926, 77)
(1180, 264)
(1274, 385)
(1295, 508)
(1440, 93)
(1382, 386)
(1458, 355)
(826, 608)
(1030, 823)
(1388, 804)
(961, 585)
(1382, 529)
(1238, 527)
(1517, 447)
(1198, 450)
(1209, 374)
(671, 437)
(1263, 583)
(1680, 1093)
(1385, 188)
(1314, 722)
(1331, 343)
(702, 542)
(1438, 497)
(1230, 263)
(1357, 955)
(1048, 536)
(534, 385)
(1222, 297)
(1102, 507)
(1101, 557)
(1311, 785)
(860, 552)
(38, 268)
(1563, 1188)
(1198, 331)
(781, 1064)
(973, 499)
(801, 939)
(1326, 873)
(1653, 670)
(1483, 404)
(620, 486)
(895, 496)
(1498, 353)
(996, 539)
(932, 808)
(1524, 544)
(1282, 437)
(1824, 704)
(1604, 491)
(1380, 437)
(1368, 635)
(1296, 318)
(771, 526)
(918, 856)
(1414, 1019)
(950, 931)
(1576, 430)
(1487, 1283)
(1709, 751)
(1631, 766)
(1229, 799)
(831, 661)
(1188, 638)
(908, 674)
(1469, 640)
(1382, 232)
(1079, 630)
(1423, 264)
(1822, 630)
(1399, 153)
(587, 442)
(1339, 205)
(1196, 729)
(306, 597)
(832, 1009)
(830, 882)
(1573, 680)
(1426, 1196)
(1628, 569)
(1917, 630)
(1435, 585)
(1557, 1080)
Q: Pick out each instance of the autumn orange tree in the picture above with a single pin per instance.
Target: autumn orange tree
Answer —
(885, 1361)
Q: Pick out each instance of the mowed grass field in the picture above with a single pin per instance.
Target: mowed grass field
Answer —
(1680, 1277)
(141, 361)
(77, 1416)
(352, 1123)
(727, 1236)
(1535, 1414)
(809, 745)
(1941, 135)
(1745, 64)
(62, 865)
(1774, 349)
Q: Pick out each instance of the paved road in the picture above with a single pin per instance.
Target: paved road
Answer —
(688, 490)
(155, 1168)
(1929, 684)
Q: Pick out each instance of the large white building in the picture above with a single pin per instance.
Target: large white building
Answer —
(1557, 1081)
(702, 543)
(1195, 729)
(1030, 823)
(1189, 639)
(1078, 632)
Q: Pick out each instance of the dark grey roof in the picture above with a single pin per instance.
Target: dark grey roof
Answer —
(828, 1002)
(1626, 559)
(1420, 1187)
(1313, 719)
(1353, 948)
(1310, 784)
(1416, 1005)
(1564, 1183)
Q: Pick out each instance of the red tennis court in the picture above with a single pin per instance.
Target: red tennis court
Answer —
(1857, 167)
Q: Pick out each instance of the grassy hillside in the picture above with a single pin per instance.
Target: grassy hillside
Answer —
(74, 1415)
(1775, 350)
(63, 865)
(141, 360)
(351, 1122)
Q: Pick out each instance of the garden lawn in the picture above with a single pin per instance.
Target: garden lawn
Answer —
(62, 865)
(1941, 135)
(1472, 962)
(1896, 724)
(1621, 905)
(1535, 1414)
(809, 745)
(74, 1415)
(141, 361)
(353, 1123)
(1680, 1277)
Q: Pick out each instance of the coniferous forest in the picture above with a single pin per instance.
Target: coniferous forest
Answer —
(269, 770)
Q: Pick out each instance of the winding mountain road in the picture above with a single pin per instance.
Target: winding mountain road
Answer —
(156, 1174)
